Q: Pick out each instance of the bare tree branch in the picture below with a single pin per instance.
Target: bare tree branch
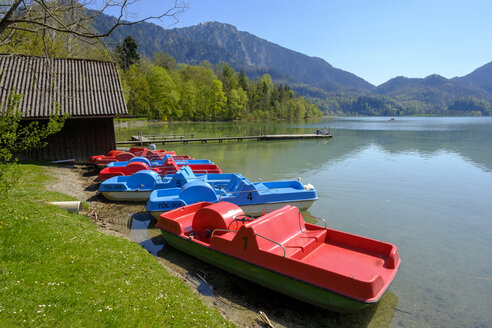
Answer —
(4, 23)
(62, 16)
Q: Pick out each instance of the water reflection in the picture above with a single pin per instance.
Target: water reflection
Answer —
(466, 137)
(423, 184)
(238, 293)
(143, 231)
(213, 282)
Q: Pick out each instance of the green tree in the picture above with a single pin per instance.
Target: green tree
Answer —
(255, 97)
(471, 104)
(126, 53)
(164, 95)
(266, 86)
(201, 77)
(138, 95)
(216, 100)
(206, 64)
(237, 101)
(188, 100)
(165, 61)
(16, 137)
(228, 76)
(243, 81)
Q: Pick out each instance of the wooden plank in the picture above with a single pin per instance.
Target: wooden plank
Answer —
(110, 139)
(96, 137)
(82, 141)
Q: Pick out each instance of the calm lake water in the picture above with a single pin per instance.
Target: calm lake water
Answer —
(423, 184)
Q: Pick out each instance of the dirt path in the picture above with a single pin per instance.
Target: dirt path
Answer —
(237, 299)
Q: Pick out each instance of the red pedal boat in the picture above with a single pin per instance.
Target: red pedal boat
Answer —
(111, 153)
(321, 266)
(169, 167)
(121, 156)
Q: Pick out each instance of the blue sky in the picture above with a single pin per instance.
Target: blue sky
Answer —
(374, 39)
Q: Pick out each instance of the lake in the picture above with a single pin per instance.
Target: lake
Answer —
(423, 184)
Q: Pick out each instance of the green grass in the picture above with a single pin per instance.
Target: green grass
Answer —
(56, 269)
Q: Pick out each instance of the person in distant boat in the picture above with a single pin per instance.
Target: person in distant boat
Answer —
(325, 132)
(318, 132)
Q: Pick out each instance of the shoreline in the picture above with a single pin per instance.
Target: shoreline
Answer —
(239, 300)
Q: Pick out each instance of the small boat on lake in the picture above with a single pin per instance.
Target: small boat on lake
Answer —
(253, 198)
(133, 152)
(169, 167)
(279, 250)
(111, 153)
(138, 186)
(120, 156)
(161, 161)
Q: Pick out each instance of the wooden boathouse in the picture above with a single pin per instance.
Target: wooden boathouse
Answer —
(90, 91)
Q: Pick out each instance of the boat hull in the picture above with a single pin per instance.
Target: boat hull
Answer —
(257, 209)
(281, 283)
(127, 196)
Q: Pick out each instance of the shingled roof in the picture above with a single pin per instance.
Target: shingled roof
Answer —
(81, 87)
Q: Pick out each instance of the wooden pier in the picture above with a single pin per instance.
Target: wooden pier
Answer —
(141, 140)
(151, 138)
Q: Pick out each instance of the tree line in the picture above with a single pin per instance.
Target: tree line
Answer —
(160, 88)
(385, 106)
(425, 102)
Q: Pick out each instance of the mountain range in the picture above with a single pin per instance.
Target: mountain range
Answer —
(312, 77)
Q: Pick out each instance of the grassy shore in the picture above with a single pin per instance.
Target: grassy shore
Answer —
(57, 269)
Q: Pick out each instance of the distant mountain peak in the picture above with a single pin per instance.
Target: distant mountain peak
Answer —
(261, 55)
(215, 24)
(435, 77)
(435, 80)
(219, 42)
(482, 77)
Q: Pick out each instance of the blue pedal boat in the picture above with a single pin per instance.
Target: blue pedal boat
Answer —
(138, 186)
(253, 198)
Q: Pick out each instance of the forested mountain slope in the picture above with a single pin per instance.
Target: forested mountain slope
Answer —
(334, 90)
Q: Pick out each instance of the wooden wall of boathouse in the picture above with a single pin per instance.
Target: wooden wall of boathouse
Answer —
(79, 139)
(89, 91)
